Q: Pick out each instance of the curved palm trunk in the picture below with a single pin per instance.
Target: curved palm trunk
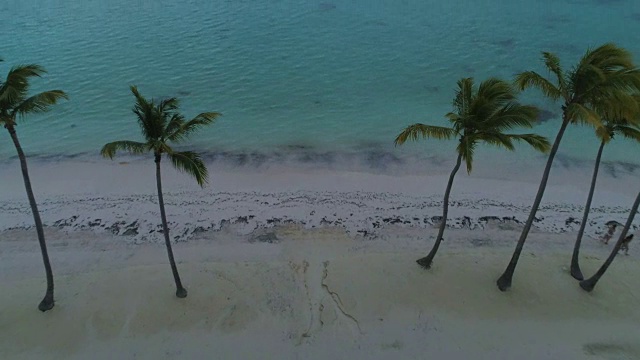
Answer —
(181, 292)
(47, 302)
(590, 283)
(575, 259)
(504, 282)
(426, 261)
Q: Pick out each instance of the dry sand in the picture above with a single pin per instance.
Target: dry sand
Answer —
(315, 294)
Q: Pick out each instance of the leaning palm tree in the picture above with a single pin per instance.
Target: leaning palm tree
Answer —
(590, 283)
(16, 104)
(161, 124)
(619, 117)
(600, 72)
(480, 115)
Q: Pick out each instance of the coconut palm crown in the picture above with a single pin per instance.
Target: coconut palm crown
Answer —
(481, 115)
(161, 124)
(16, 103)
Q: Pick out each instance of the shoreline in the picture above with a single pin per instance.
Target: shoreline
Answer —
(120, 198)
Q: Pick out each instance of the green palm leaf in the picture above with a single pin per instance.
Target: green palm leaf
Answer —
(181, 130)
(513, 115)
(529, 79)
(578, 113)
(40, 102)
(462, 101)
(628, 132)
(190, 163)
(417, 131)
(109, 150)
(466, 148)
(537, 142)
(497, 139)
(552, 62)
(15, 87)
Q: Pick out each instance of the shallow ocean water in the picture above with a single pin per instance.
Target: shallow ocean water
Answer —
(297, 80)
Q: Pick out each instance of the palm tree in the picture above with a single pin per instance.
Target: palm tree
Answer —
(481, 115)
(15, 103)
(590, 283)
(161, 124)
(622, 118)
(600, 72)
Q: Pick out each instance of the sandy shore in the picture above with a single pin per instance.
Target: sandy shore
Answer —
(310, 265)
(314, 294)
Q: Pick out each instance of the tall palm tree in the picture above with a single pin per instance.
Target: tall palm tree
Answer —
(161, 124)
(590, 283)
(599, 72)
(619, 118)
(480, 115)
(14, 104)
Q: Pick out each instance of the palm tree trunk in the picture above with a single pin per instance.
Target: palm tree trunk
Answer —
(47, 302)
(426, 261)
(181, 292)
(590, 283)
(504, 282)
(575, 259)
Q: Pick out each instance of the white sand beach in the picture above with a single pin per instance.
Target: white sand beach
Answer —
(291, 265)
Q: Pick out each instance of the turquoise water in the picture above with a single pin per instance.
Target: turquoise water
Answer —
(288, 75)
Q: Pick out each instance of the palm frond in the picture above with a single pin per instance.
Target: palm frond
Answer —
(187, 128)
(608, 57)
(15, 87)
(497, 90)
(190, 163)
(632, 133)
(464, 96)
(39, 102)
(168, 105)
(148, 116)
(601, 69)
(109, 150)
(617, 105)
(529, 79)
(417, 131)
(552, 62)
(578, 113)
(604, 133)
(466, 148)
(512, 115)
(538, 142)
(493, 94)
(497, 139)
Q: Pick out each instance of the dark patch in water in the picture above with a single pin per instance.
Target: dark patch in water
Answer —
(609, 2)
(326, 6)
(432, 89)
(508, 44)
(376, 23)
(635, 16)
